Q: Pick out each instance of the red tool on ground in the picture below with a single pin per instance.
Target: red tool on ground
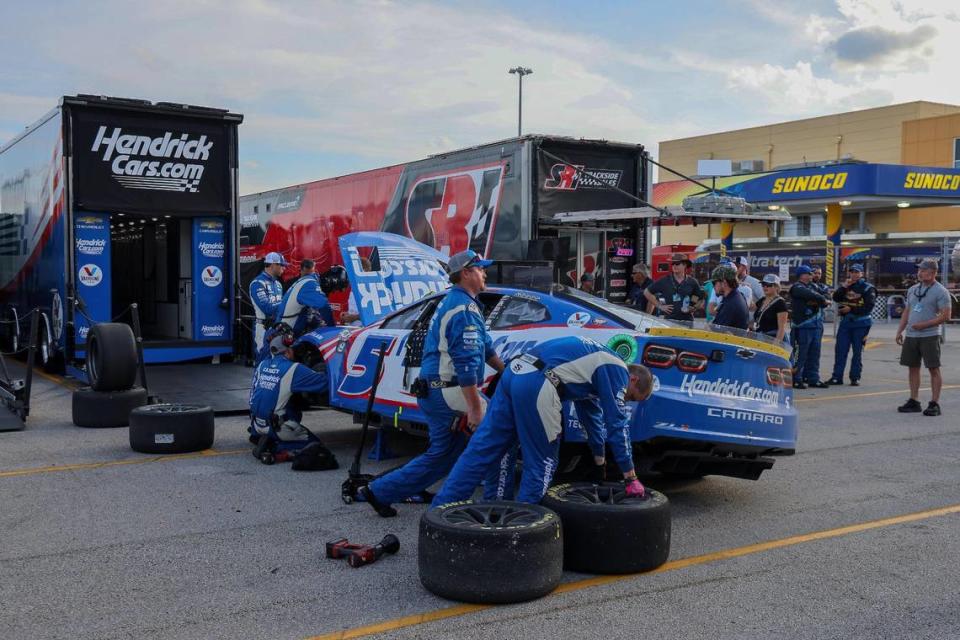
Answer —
(358, 555)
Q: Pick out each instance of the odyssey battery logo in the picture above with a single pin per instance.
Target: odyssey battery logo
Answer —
(90, 275)
(570, 177)
(211, 276)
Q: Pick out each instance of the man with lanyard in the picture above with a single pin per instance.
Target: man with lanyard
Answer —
(732, 310)
(928, 307)
(677, 295)
(807, 318)
(856, 297)
(527, 406)
(275, 403)
(641, 281)
(266, 292)
(451, 373)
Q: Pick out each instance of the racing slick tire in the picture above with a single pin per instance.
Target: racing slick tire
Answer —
(111, 356)
(106, 408)
(607, 531)
(490, 552)
(171, 428)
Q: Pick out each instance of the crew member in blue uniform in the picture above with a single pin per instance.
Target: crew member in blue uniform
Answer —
(275, 409)
(266, 292)
(451, 374)
(806, 315)
(527, 406)
(857, 298)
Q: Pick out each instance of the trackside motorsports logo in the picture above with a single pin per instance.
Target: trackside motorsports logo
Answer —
(171, 162)
(211, 276)
(569, 177)
(90, 275)
(212, 331)
(726, 388)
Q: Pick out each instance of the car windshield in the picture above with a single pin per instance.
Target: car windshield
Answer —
(631, 317)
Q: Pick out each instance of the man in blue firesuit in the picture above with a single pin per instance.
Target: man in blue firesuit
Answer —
(266, 292)
(806, 317)
(527, 407)
(305, 304)
(275, 410)
(856, 297)
(451, 374)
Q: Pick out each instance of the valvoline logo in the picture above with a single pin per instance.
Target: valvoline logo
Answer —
(90, 275)
(211, 276)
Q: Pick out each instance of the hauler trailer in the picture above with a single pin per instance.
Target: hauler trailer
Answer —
(105, 202)
(499, 199)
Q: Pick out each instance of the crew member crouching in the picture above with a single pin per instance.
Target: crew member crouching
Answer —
(527, 406)
(276, 409)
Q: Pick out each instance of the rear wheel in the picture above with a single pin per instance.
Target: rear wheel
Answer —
(607, 531)
(490, 552)
(171, 428)
(111, 356)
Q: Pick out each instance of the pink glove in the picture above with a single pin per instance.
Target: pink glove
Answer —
(635, 489)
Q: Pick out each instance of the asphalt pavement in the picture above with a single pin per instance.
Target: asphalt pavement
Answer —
(854, 537)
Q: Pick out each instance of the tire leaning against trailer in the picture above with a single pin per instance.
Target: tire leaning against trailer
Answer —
(171, 428)
(111, 356)
(490, 552)
(106, 408)
(605, 531)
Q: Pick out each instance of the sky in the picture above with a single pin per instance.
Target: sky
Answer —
(329, 88)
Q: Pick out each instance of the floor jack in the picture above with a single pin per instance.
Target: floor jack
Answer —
(356, 479)
(15, 392)
(358, 555)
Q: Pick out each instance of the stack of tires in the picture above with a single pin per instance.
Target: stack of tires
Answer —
(503, 552)
(111, 371)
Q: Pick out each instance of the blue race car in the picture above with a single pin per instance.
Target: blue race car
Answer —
(722, 401)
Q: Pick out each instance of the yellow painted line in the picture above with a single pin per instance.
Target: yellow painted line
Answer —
(206, 453)
(55, 379)
(869, 394)
(673, 565)
(725, 338)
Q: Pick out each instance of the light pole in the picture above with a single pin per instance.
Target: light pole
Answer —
(520, 71)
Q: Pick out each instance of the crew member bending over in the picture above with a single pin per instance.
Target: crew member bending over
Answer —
(527, 407)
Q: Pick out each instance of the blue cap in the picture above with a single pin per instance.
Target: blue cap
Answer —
(468, 258)
(855, 267)
(274, 258)
(803, 269)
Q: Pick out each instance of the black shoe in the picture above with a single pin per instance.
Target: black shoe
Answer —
(818, 385)
(854, 383)
(383, 510)
(910, 406)
(799, 385)
(933, 409)
(833, 381)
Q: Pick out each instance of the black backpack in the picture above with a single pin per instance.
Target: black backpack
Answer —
(314, 457)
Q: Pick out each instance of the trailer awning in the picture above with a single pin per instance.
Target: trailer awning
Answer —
(673, 212)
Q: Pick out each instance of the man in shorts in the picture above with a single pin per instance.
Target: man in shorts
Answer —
(927, 307)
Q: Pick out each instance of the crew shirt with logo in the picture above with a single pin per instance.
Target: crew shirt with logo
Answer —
(678, 294)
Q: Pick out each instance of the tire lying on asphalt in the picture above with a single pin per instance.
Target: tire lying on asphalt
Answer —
(106, 408)
(111, 356)
(171, 428)
(490, 552)
(606, 531)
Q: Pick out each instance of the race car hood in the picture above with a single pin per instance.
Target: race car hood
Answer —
(402, 272)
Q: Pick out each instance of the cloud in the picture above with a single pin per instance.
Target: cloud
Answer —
(876, 43)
